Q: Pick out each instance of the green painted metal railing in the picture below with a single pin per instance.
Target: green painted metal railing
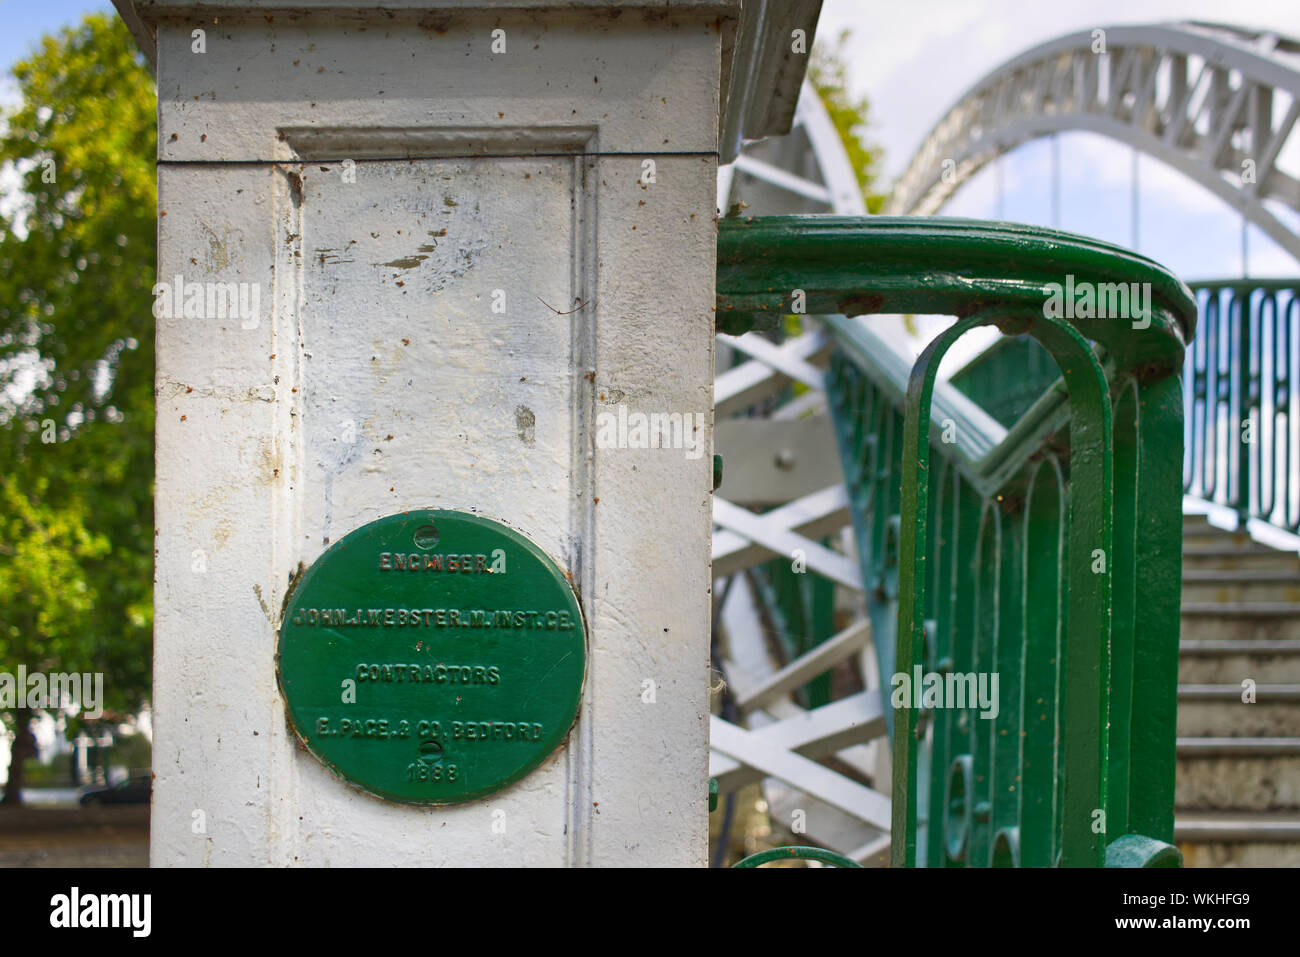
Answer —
(1243, 405)
(1006, 379)
(794, 853)
(1240, 378)
(1015, 552)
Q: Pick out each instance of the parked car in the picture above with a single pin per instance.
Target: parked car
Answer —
(136, 789)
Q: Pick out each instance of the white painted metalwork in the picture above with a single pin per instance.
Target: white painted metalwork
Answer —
(747, 384)
(813, 516)
(810, 777)
(777, 358)
(1217, 103)
(807, 667)
(813, 734)
(781, 542)
(806, 171)
(808, 162)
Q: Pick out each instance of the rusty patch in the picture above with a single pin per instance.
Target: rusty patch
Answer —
(435, 22)
(257, 590)
(861, 305)
(295, 186)
(407, 262)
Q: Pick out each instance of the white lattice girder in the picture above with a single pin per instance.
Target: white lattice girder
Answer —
(1199, 97)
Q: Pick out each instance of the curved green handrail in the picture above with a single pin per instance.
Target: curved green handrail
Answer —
(1116, 696)
(796, 852)
(864, 265)
(1242, 368)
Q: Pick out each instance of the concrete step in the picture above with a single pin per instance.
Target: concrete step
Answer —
(1224, 661)
(1252, 621)
(1234, 586)
(1205, 532)
(1194, 522)
(1237, 774)
(1217, 710)
(1233, 839)
(1253, 555)
(1238, 768)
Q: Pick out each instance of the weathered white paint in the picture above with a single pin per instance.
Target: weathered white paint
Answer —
(813, 516)
(758, 751)
(808, 666)
(377, 377)
(822, 731)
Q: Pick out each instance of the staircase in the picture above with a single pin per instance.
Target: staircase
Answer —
(1238, 786)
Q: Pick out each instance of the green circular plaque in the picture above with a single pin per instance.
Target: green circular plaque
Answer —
(432, 657)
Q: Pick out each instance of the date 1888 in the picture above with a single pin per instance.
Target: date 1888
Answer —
(420, 771)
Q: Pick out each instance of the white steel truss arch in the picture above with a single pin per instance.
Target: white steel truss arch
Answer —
(1216, 102)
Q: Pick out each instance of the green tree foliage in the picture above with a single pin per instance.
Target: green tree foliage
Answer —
(77, 261)
(828, 72)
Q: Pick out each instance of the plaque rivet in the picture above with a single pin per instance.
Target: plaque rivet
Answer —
(426, 536)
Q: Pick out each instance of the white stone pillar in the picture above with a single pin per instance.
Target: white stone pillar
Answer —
(457, 236)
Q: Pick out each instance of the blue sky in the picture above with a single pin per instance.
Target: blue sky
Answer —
(23, 22)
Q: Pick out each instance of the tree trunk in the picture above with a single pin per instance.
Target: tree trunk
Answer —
(24, 747)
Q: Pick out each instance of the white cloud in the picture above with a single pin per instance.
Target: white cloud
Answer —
(914, 60)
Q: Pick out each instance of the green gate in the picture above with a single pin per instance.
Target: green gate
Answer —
(1046, 552)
